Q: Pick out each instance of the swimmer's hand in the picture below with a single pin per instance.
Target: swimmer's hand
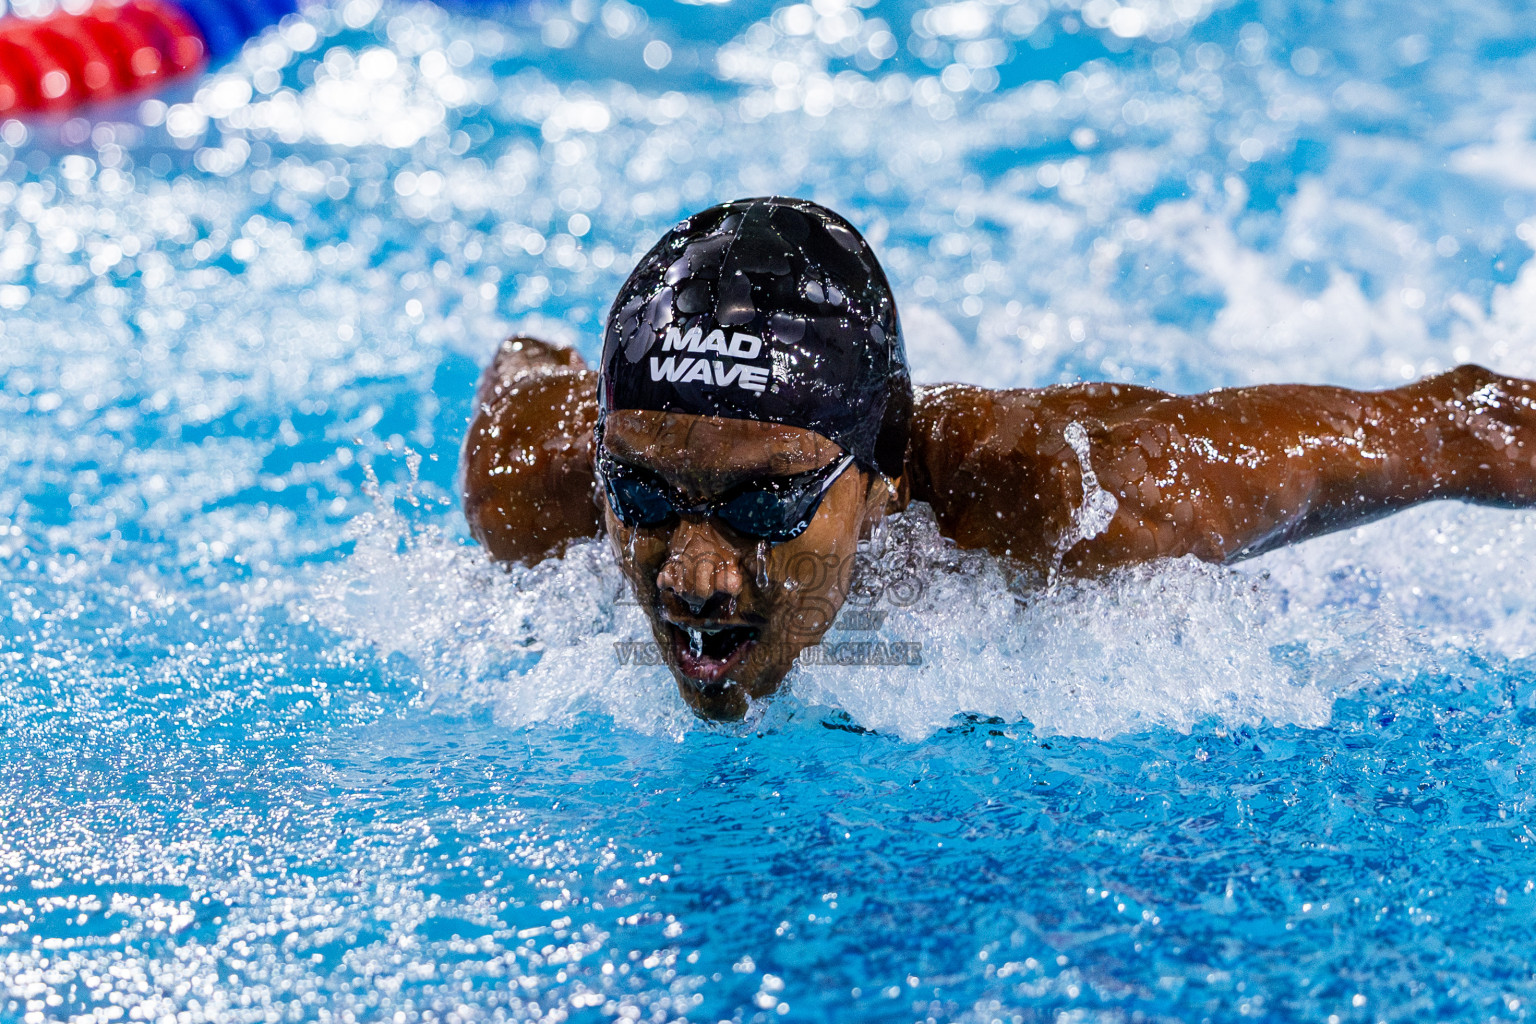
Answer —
(527, 459)
(1221, 476)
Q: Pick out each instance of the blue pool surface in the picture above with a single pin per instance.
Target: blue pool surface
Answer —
(278, 744)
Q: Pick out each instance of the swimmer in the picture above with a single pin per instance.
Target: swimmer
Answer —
(753, 416)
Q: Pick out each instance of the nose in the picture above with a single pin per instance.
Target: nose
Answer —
(701, 568)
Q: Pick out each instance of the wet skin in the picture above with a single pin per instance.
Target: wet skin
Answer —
(1220, 476)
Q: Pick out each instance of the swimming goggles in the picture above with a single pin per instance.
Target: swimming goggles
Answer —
(776, 510)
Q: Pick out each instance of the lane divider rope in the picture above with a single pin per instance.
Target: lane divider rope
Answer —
(56, 63)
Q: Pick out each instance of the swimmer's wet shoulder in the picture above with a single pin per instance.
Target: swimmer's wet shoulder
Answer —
(719, 498)
(999, 470)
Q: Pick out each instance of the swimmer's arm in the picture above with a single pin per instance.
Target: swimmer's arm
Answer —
(527, 461)
(1232, 473)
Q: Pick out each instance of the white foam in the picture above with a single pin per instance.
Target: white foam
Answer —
(1169, 645)
(1454, 576)
(1165, 646)
(536, 643)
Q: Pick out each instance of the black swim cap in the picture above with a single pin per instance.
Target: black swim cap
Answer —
(764, 309)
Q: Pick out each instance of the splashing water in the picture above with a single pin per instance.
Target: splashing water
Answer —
(1170, 646)
(276, 742)
(1098, 509)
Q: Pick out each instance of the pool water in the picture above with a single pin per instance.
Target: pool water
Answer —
(278, 744)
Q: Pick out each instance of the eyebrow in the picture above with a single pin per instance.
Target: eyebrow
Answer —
(724, 480)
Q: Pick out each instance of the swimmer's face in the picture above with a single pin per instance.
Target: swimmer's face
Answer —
(730, 612)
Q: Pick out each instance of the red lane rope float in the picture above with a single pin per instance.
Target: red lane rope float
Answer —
(62, 61)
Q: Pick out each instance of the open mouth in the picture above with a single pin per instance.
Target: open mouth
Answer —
(706, 653)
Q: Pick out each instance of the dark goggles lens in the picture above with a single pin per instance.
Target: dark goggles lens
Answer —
(776, 511)
(637, 503)
(763, 513)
